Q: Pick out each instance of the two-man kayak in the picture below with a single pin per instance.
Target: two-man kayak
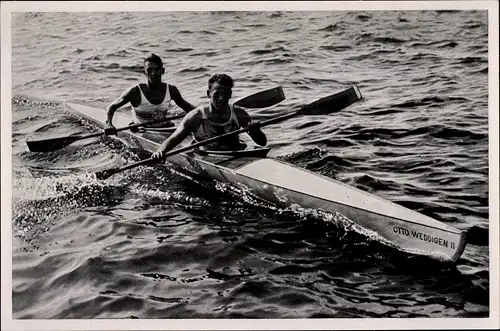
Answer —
(286, 184)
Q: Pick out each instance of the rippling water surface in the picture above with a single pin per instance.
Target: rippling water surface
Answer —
(151, 244)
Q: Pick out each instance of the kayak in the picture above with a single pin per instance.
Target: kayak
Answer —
(285, 184)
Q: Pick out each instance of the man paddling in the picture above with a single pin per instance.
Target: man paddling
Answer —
(150, 101)
(214, 119)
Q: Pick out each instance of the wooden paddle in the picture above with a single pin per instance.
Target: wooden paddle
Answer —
(260, 99)
(323, 106)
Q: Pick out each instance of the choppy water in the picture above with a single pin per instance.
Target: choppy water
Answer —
(151, 244)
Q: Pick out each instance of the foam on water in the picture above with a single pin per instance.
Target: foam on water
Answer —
(342, 225)
(177, 197)
(37, 202)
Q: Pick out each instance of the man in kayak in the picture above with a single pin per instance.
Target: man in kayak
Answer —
(214, 119)
(150, 101)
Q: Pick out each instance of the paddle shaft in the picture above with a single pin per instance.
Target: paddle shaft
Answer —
(260, 99)
(207, 141)
(334, 103)
(52, 144)
(323, 106)
(133, 126)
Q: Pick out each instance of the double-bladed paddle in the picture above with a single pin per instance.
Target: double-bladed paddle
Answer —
(323, 106)
(260, 99)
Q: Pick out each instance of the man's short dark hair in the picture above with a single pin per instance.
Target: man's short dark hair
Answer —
(153, 58)
(222, 79)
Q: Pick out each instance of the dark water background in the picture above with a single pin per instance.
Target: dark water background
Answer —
(152, 244)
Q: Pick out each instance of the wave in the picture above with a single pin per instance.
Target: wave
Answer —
(472, 60)
(251, 63)
(133, 68)
(121, 53)
(474, 25)
(365, 56)
(417, 58)
(307, 124)
(79, 51)
(112, 65)
(459, 135)
(439, 44)
(275, 61)
(194, 70)
(358, 132)
(336, 48)
(37, 203)
(451, 44)
(321, 81)
(378, 111)
(483, 71)
(269, 51)
(444, 132)
(333, 27)
(389, 40)
(255, 25)
(180, 49)
(363, 18)
(206, 54)
(453, 133)
(477, 235)
(34, 101)
(430, 101)
(329, 162)
(365, 36)
(369, 183)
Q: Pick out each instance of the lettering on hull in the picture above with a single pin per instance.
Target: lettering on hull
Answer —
(424, 237)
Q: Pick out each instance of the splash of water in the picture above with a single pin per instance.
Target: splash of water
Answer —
(178, 197)
(340, 222)
(37, 202)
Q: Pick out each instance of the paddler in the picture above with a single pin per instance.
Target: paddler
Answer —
(214, 119)
(150, 101)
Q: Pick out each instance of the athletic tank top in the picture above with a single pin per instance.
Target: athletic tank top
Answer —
(209, 129)
(146, 111)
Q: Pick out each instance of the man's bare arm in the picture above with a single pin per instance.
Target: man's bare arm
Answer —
(179, 100)
(189, 124)
(255, 132)
(125, 98)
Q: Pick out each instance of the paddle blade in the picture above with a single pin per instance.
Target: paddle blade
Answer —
(263, 99)
(52, 144)
(105, 174)
(332, 103)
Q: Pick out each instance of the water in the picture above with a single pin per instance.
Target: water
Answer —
(152, 244)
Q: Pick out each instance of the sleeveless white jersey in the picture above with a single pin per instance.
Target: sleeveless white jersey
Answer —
(209, 129)
(146, 111)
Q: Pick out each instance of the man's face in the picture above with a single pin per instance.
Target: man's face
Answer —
(153, 72)
(219, 95)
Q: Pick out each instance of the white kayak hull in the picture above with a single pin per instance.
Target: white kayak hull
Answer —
(285, 184)
(400, 227)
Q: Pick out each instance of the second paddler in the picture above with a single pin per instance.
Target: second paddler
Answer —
(150, 101)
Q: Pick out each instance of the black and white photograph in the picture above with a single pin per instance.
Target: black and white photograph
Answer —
(249, 165)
